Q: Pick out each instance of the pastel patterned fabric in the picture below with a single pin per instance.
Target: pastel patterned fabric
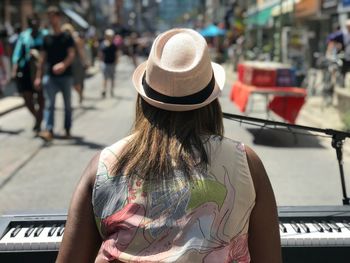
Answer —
(202, 220)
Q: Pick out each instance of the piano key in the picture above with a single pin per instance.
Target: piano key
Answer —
(15, 231)
(20, 239)
(325, 226)
(291, 236)
(346, 224)
(29, 231)
(6, 244)
(315, 238)
(38, 230)
(304, 227)
(52, 230)
(317, 226)
(295, 226)
(334, 225)
(60, 230)
(282, 228)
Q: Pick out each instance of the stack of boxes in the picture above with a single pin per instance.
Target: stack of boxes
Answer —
(266, 74)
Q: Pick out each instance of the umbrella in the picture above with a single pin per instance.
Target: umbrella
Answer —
(212, 31)
(76, 18)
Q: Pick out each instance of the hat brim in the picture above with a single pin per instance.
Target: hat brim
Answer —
(219, 75)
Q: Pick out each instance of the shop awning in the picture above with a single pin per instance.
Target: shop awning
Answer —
(260, 18)
(286, 7)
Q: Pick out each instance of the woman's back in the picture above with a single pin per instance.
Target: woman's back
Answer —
(170, 192)
(204, 219)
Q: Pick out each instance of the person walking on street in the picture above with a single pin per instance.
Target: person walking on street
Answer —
(339, 42)
(57, 56)
(133, 44)
(109, 57)
(79, 64)
(175, 189)
(25, 60)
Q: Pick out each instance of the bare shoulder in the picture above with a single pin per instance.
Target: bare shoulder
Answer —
(90, 171)
(256, 168)
(264, 239)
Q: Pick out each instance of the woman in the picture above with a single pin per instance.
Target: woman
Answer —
(175, 190)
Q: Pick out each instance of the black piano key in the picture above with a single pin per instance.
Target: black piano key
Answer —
(16, 230)
(304, 227)
(29, 231)
(295, 226)
(52, 230)
(334, 225)
(317, 226)
(346, 224)
(38, 230)
(60, 230)
(326, 226)
(283, 228)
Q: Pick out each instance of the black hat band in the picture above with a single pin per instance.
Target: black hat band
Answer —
(195, 98)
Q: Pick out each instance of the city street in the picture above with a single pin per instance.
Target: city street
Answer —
(39, 177)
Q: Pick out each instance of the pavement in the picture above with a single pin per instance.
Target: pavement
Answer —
(312, 113)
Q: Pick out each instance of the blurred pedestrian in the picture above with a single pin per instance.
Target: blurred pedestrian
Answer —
(133, 47)
(176, 189)
(338, 42)
(14, 37)
(93, 45)
(25, 59)
(79, 64)
(57, 56)
(109, 58)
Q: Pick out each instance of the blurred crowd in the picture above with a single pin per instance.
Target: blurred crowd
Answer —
(55, 57)
(130, 43)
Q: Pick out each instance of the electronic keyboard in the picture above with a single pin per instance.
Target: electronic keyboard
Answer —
(308, 234)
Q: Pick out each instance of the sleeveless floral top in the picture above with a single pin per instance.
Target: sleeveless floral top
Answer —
(202, 220)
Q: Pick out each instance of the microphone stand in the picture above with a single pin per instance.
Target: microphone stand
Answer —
(338, 138)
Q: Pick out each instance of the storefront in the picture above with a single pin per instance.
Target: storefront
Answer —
(343, 11)
(259, 28)
(329, 9)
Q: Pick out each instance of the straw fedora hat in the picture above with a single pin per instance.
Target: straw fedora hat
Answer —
(178, 74)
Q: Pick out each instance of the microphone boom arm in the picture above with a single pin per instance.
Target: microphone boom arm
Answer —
(338, 138)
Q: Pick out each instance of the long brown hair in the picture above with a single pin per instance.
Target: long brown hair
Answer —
(163, 140)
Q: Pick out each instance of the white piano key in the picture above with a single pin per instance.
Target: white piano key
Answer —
(55, 241)
(42, 239)
(7, 242)
(20, 239)
(291, 236)
(315, 238)
(343, 236)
